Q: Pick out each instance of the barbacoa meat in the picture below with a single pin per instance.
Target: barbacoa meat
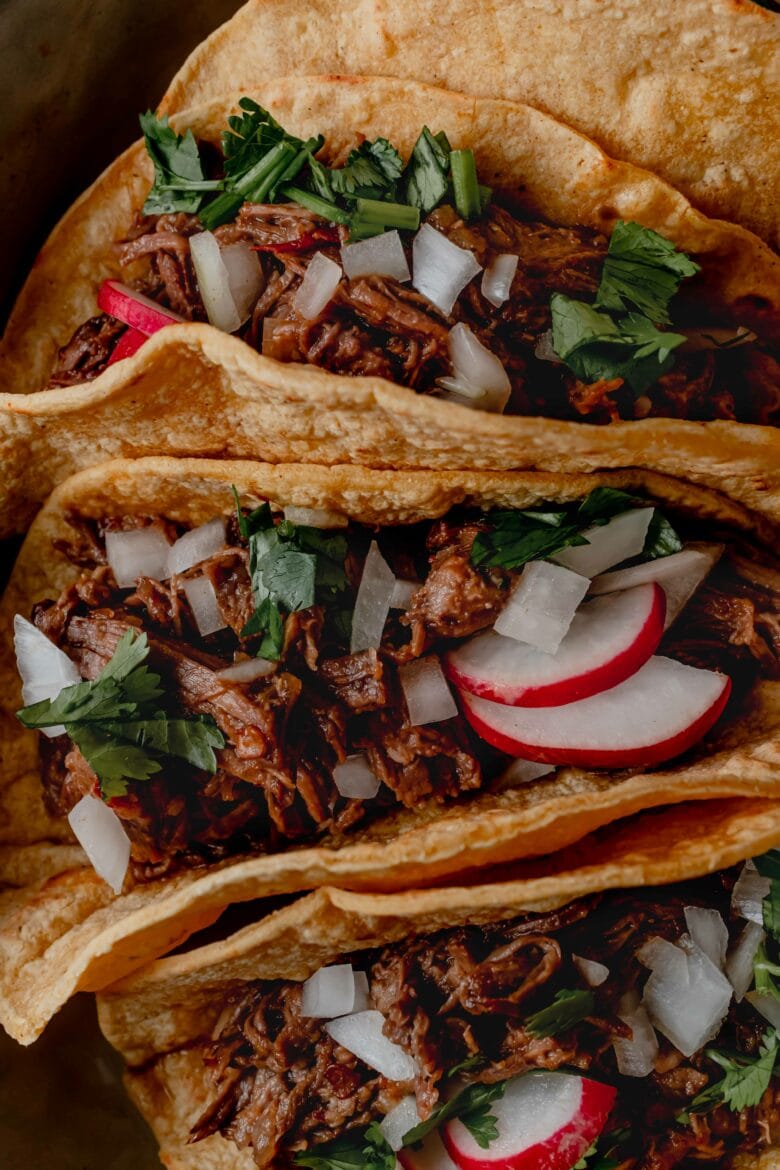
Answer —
(280, 1084)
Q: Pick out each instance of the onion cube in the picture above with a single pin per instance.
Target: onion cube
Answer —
(609, 544)
(403, 592)
(330, 992)
(202, 597)
(478, 371)
(44, 669)
(362, 1035)
(542, 605)
(355, 778)
(245, 277)
(686, 996)
(381, 255)
(141, 552)
(765, 1005)
(196, 546)
(592, 972)
(497, 278)
(635, 1057)
(362, 995)
(315, 517)
(709, 932)
(320, 281)
(399, 1121)
(524, 771)
(101, 835)
(372, 603)
(427, 692)
(247, 670)
(441, 269)
(739, 964)
(747, 898)
(214, 282)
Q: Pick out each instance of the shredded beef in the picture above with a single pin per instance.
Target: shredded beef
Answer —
(85, 356)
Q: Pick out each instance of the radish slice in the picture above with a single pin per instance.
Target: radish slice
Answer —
(381, 255)
(709, 932)
(403, 592)
(623, 537)
(320, 281)
(656, 714)
(201, 595)
(214, 282)
(399, 1121)
(542, 605)
(747, 897)
(428, 697)
(592, 972)
(441, 269)
(609, 640)
(129, 343)
(497, 278)
(524, 771)
(372, 603)
(330, 992)
(478, 372)
(431, 1155)
(766, 1006)
(739, 964)
(362, 1035)
(686, 996)
(315, 517)
(44, 669)
(635, 1057)
(245, 277)
(196, 546)
(544, 1119)
(680, 575)
(136, 310)
(100, 834)
(248, 670)
(355, 778)
(141, 552)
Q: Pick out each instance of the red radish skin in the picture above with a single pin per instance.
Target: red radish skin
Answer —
(135, 309)
(560, 1151)
(487, 722)
(600, 677)
(129, 343)
(431, 1155)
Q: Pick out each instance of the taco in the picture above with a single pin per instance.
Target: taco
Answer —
(619, 1009)
(542, 297)
(682, 90)
(286, 699)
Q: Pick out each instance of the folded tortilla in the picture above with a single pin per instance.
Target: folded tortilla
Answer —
(677, 88)
(156, 1016)
(248, 406)
(61, 925)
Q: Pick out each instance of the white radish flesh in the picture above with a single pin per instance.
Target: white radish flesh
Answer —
(680, 575)
(524, 772)
(542, 605)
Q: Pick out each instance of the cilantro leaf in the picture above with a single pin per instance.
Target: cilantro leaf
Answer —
(764, 970)
(114, 762)
(768, 865)
(746, 1078)
(602, 504)
(643, 270)
(425, 177)
(662, 540)
(472, 1106)
(567, 1009)
(178, 172)
(367, 1150)
(371, 172)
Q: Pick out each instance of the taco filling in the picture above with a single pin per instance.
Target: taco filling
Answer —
(261, 680)
(413, 271)
(630, 1029)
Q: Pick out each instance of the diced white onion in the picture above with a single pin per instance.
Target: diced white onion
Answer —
(680, 575)
(765, 1005)
(708, 931)
(372, 603)
(739, 964)
(361, 1003)
(355, 779)
(196, 546)
(544, 351)
(686, 996)
(362, 1035)
(319, 283)
(100, 834)
(214, 282)
(202, 597)
(441, 269)
(748, 895)
(497, 278)
(381, 255)
(330, 992)
(141, 552)
(248, 670)
(403, 592)
(427, 692)
(542, 605)
(524, 771)
(315, 517)
(478, 372)
(245, 277)
(635, 1057)
(399, 1121)
(44, 669)
(623, 537)
(592, 972)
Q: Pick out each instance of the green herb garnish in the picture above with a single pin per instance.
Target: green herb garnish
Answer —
(471, 1106)
(426, 177)
(367, 1150)
(746, 1078)
(179, 182)
(768, 865)
(568, 1008)
(642, 270)
(464, 183)
(116, 722)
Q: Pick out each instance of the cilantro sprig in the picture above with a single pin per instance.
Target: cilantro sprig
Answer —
(768, 865)
(472, 1107)
(618, 335)
(516, 537)
(368, 1150)
(179, 181)
(745, 1079)
(569, 1007)
(117, 723)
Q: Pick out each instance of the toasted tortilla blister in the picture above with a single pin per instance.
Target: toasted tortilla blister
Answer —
(156, 1017)
(62, 930)
(191, 390)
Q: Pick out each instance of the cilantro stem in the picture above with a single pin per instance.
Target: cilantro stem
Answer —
(373, 216)
(303, 156)
(315, 203)
(464, 181)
